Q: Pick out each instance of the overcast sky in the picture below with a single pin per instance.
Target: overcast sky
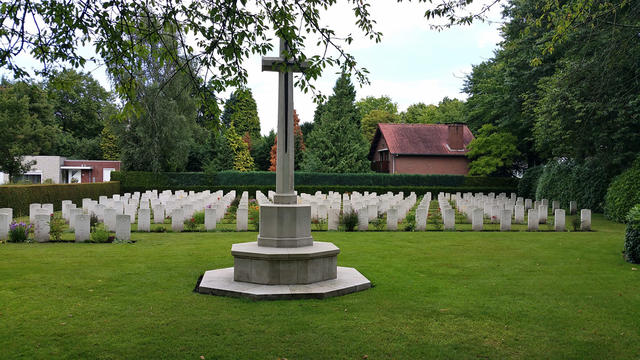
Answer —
(412, 63)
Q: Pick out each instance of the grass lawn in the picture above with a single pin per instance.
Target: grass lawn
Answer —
(437, 295)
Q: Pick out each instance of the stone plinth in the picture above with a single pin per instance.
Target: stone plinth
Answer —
(284, 266)
(220, 282)
(285, 225)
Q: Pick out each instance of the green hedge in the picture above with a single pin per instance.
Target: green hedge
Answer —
(311, 182)
(19, 197)
(584, 182)
(632, 236)
(623, 193)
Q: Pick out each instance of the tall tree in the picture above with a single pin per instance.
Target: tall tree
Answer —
(369, 122)
(492, 152)
(419, 114)
(26, 125)
(336, 144)
(241, 111)
(369, 103)
(158, 126)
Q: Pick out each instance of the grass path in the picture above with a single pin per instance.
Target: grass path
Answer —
(437, 295)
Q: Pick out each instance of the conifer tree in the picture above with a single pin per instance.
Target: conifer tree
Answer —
(336, 144)
(242, 160)
(241, 111)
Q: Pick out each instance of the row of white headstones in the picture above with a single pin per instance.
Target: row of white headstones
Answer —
(118, 212)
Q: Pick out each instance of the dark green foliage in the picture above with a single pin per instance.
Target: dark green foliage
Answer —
(222, 158)
(350, 220)
(623, 193)
(241, 111)
(632, 236)
(585, 183)
(18, 232)
(27, 126)
(131, 181)
(336, 144)
(528, 185)
(19, 197)
(261, 151)
(100, 236)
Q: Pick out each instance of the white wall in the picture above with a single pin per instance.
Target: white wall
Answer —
(49, 165)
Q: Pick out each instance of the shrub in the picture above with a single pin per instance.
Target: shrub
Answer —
(632, 236)
(93, 221)
(350, 220)
(379, 223)
(566, 180)
(436, 219)
(529, 182)
(190, 224)
(56, 227)
(623, 193)
(199, 217)
(100, 236)
(19, 232)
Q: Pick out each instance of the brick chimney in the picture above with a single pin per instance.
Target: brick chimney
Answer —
(454, 138)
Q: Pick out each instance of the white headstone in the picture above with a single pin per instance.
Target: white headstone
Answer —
(242, 218)
(110, 219)
(449, 217)
(532, 221)
(144, 220)
(543, 210)
(177, 220)
(32, 211)
(158, 214)
(519, 214)
(123, 227)
(559, 220)
(585, 220)
(363, 219)
(72, 217)
(4, 226)
(477, 219)
(334, 218)
(82, 227)
(41, 228)
(210, 219)
(48, 208)
(505, 220)
(392, 219)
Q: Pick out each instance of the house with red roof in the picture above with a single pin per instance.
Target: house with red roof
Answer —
(421, 149)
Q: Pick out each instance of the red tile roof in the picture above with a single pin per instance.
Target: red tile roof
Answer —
(419, 139)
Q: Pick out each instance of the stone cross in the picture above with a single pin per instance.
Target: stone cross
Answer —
(285, 150)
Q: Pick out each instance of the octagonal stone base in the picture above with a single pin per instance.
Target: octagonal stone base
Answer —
(220, 282)
(284, 266)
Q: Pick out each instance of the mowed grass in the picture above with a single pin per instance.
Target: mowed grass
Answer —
(455, 295)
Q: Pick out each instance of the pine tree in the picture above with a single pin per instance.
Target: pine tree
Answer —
(336, 144)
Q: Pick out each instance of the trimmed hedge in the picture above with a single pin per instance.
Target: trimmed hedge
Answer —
(623, 193)
(19, 197)
(564, 181)
(311, 182)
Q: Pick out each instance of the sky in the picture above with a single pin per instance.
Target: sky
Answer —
(411, 64)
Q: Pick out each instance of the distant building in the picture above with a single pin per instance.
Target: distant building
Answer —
(63, 171)
(421, 149)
